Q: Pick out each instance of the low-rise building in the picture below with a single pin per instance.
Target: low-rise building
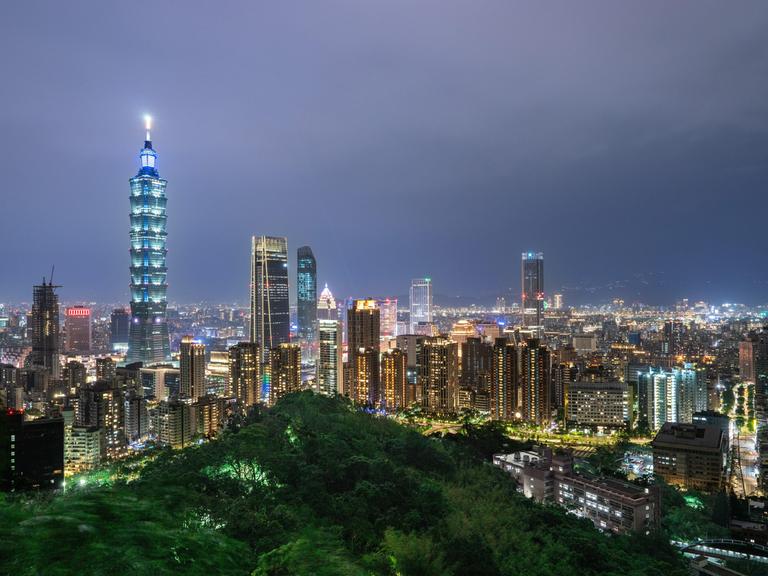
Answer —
(610, 504)
(691, 456)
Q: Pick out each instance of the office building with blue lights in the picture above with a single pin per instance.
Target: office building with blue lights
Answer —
(306, 294)
(148, 334)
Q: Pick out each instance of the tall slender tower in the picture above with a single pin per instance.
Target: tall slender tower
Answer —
(148, 335)
(532, 273)
(45, 328)
(421, 302)
(329, 362)
(306, 294)
(270, 312)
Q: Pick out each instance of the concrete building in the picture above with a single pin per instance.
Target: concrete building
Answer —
(691, 456)
(285, 371)
(611, 505)
(438, 375)
(192, 368)
(598, 405)
(245, 374)
(77, 323)
(31, 452)
(84, 446)
(173, 422)
(394, 379)
(363, 330)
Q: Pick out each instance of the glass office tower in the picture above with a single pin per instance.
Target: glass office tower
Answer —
(148, 334)
(421, 302)
(532, 274)
(306, 294)
(270, 313)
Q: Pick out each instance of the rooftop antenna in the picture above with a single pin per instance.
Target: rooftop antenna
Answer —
(148, 126)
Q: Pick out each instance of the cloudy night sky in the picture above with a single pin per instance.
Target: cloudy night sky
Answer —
(629, 143)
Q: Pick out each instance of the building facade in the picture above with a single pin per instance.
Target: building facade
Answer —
(536, 382)
(192, 368)
(363, 329)
(148, 340)
(532, 305)
(598, 405)
(306, 294)
(691, 456)
(77, 323)
(438, 377)
(611, 505)
(394, 379)
(45, 329)
(284, 371)
(245, 374)
(270, 310)
(420, 302)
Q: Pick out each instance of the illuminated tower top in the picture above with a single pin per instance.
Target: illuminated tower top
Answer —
(148, 332)
(148, 155)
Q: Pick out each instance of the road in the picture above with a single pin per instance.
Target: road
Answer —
(745, 442)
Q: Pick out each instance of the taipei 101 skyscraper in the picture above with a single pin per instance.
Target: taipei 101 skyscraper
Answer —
(148, 336)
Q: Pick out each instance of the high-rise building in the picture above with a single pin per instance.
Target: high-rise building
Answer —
(388, 314)
(504, 389)
(363, 328)
(136, 418)
(536, 382)
(270, 310)
(747, 349)
(438, 378)
(192, 368)
(148, 340)
(394, 379)
(476, 363)
(77, 322)
(284, 371)
(532, 273)
(245, 378)
(31, 452)
(217, 373)
(421, 302)
(74, 376)
(45, 329)
(598, 405)
(174, 423)
(671, 395)
(160, 382)
(329, 377)
(103, 406)
(326, 305)
(557, 301)
(105, 368)
(410, 344)
(306, 294)
(119, 327)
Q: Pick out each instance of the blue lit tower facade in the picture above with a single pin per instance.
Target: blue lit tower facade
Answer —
(306, 292)
(148, 335)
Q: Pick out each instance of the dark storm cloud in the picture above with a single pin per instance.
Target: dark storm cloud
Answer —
(396, 138)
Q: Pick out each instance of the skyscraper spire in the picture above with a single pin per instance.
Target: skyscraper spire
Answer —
(147, 155)
(148, 335)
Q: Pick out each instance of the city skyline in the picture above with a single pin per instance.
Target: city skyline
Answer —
(597, 143)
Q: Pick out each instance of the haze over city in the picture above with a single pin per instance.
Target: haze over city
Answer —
(627, 142)
(384, 288)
